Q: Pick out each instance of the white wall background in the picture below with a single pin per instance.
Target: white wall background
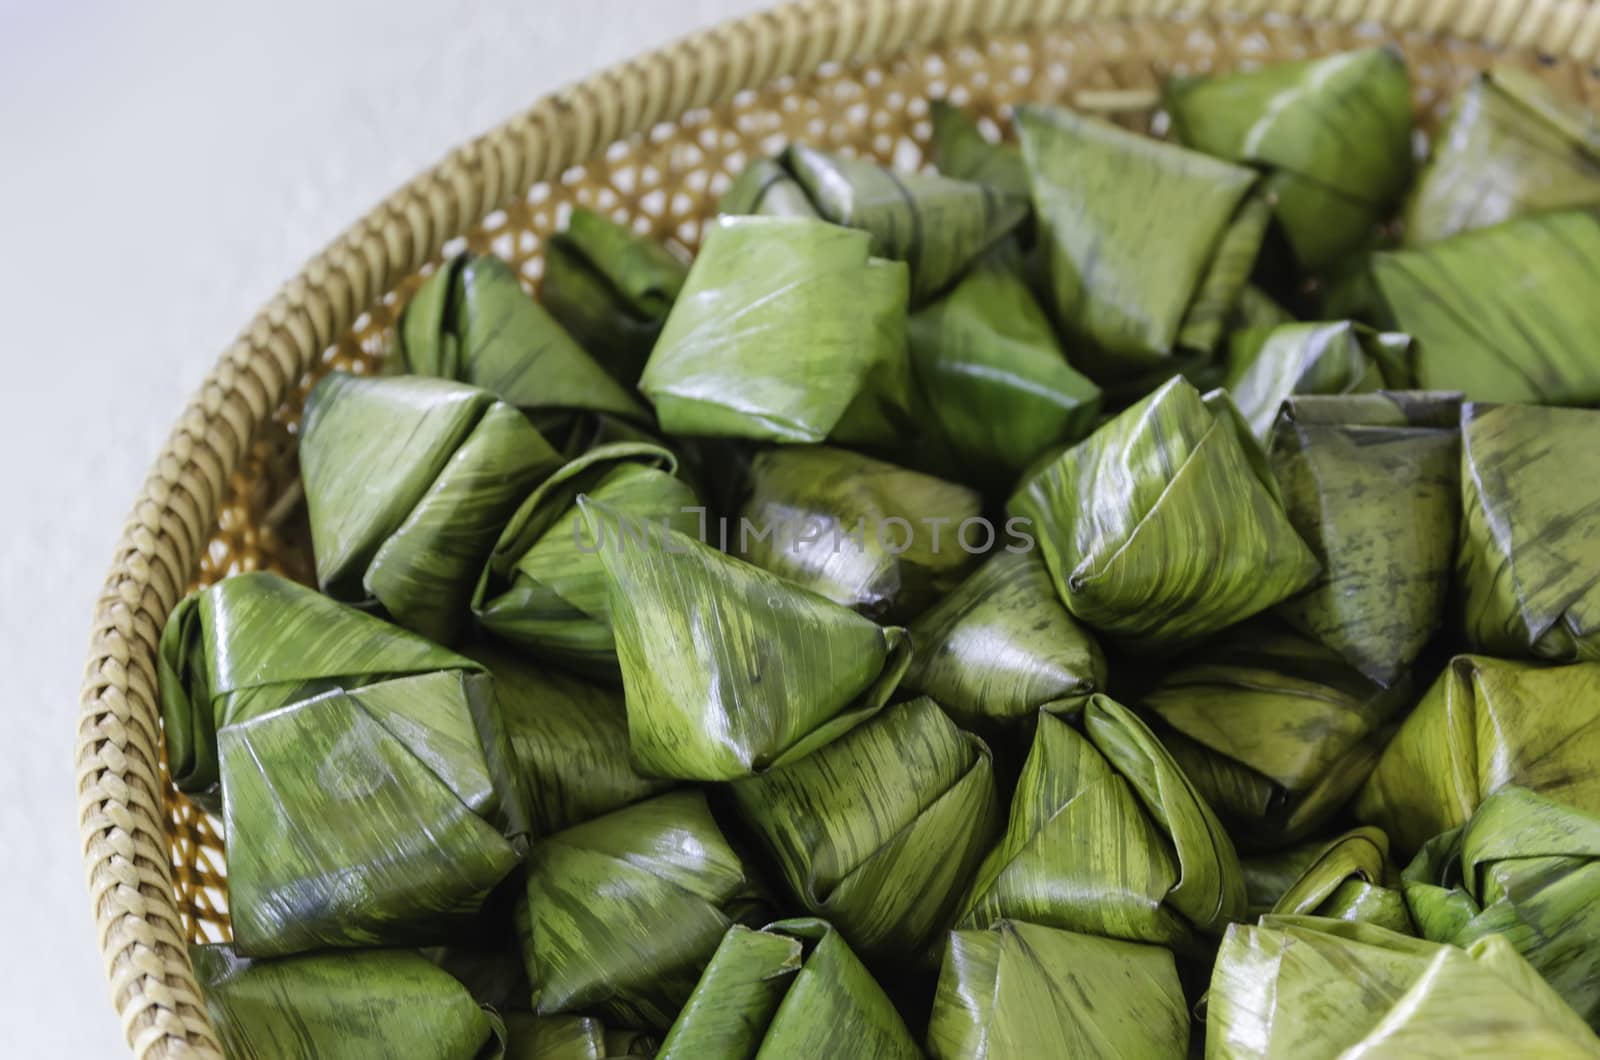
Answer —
(163, 167)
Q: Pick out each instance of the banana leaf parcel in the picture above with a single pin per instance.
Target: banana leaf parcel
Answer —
(610, 289)
(1333, 133)
(1484, 725)
(622, 912)
(1350, 879)
(1148, 243)
(569, 739)
(530, 1037)
(367, 789)
(1372, 484)
(790, 991)
(1529, 563)
(729, 669)
(1309, 988)
(962, 152)
(786, 330)
(1268, 364)
(408, 482)
(765, 187)
(1503, 313)
(473, 322)
(1022, 992)
(1274, 729)
(881, 830)
(365, 1005)
(994, 387)
(544, 586)
(1163, 525)
(1525, 868)
(936, 225)
(1510, 147)
(1001, 646)
(868, 535)
(1108, 837)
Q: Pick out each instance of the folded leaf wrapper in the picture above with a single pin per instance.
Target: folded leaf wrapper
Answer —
(1372, 484)
(936, 225)
(768, 189)
(1309, 988)
(1164, 525)
(530, 1037)
(367, 789)
(1350, 879)
(408, 482)
(1274, 729)
(1001, 646)
(994, 387)
(730, 669)
(858, 531)
(473, 322)
(1486, 724)
(881, 830)
(1148, 243)
(569, 739)
(962, 152)
(1503, 313)
(1524, 868)
(1529, 564)
(622, 912)
(790, 991)
(366, 1005)
(1108, 837)
(1021, 992)
(1334, 134)
(610, 289)
(544, 587)
(1266, 365)
(1510, 147)
(786, 330)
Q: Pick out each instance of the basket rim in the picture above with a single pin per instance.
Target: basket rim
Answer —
(122, 820)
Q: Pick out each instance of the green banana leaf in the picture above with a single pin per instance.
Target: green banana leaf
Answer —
(856, 530)
(1334, 132)
(765, 187)
(484, 961)
(1022, 992)
(408, 481)
(1163, 526)
(995, 389)
(1502, 313)
(1141, 256)
(531, 1037)
(622, 912)
(1511, 147)
(1256, 308)
(881, 830)
(367, 790)
(786, 330)
(1525, 868)
(544, 586)
(365, 1005)
(1268, 875)
(1274, 729)
(1484, 725)
(1001, 646)
(569, 738)
(1372, 483)
(1351, 879)
(1310, 988)
(1529, 561)
(1267, 365)
(610, 289)
(938, 226)
(790, 991)
(472, 321)
(962, 152)
(729, 669)
(1108, 837)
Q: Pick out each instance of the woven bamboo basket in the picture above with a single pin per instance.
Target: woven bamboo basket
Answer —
(654, 141)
